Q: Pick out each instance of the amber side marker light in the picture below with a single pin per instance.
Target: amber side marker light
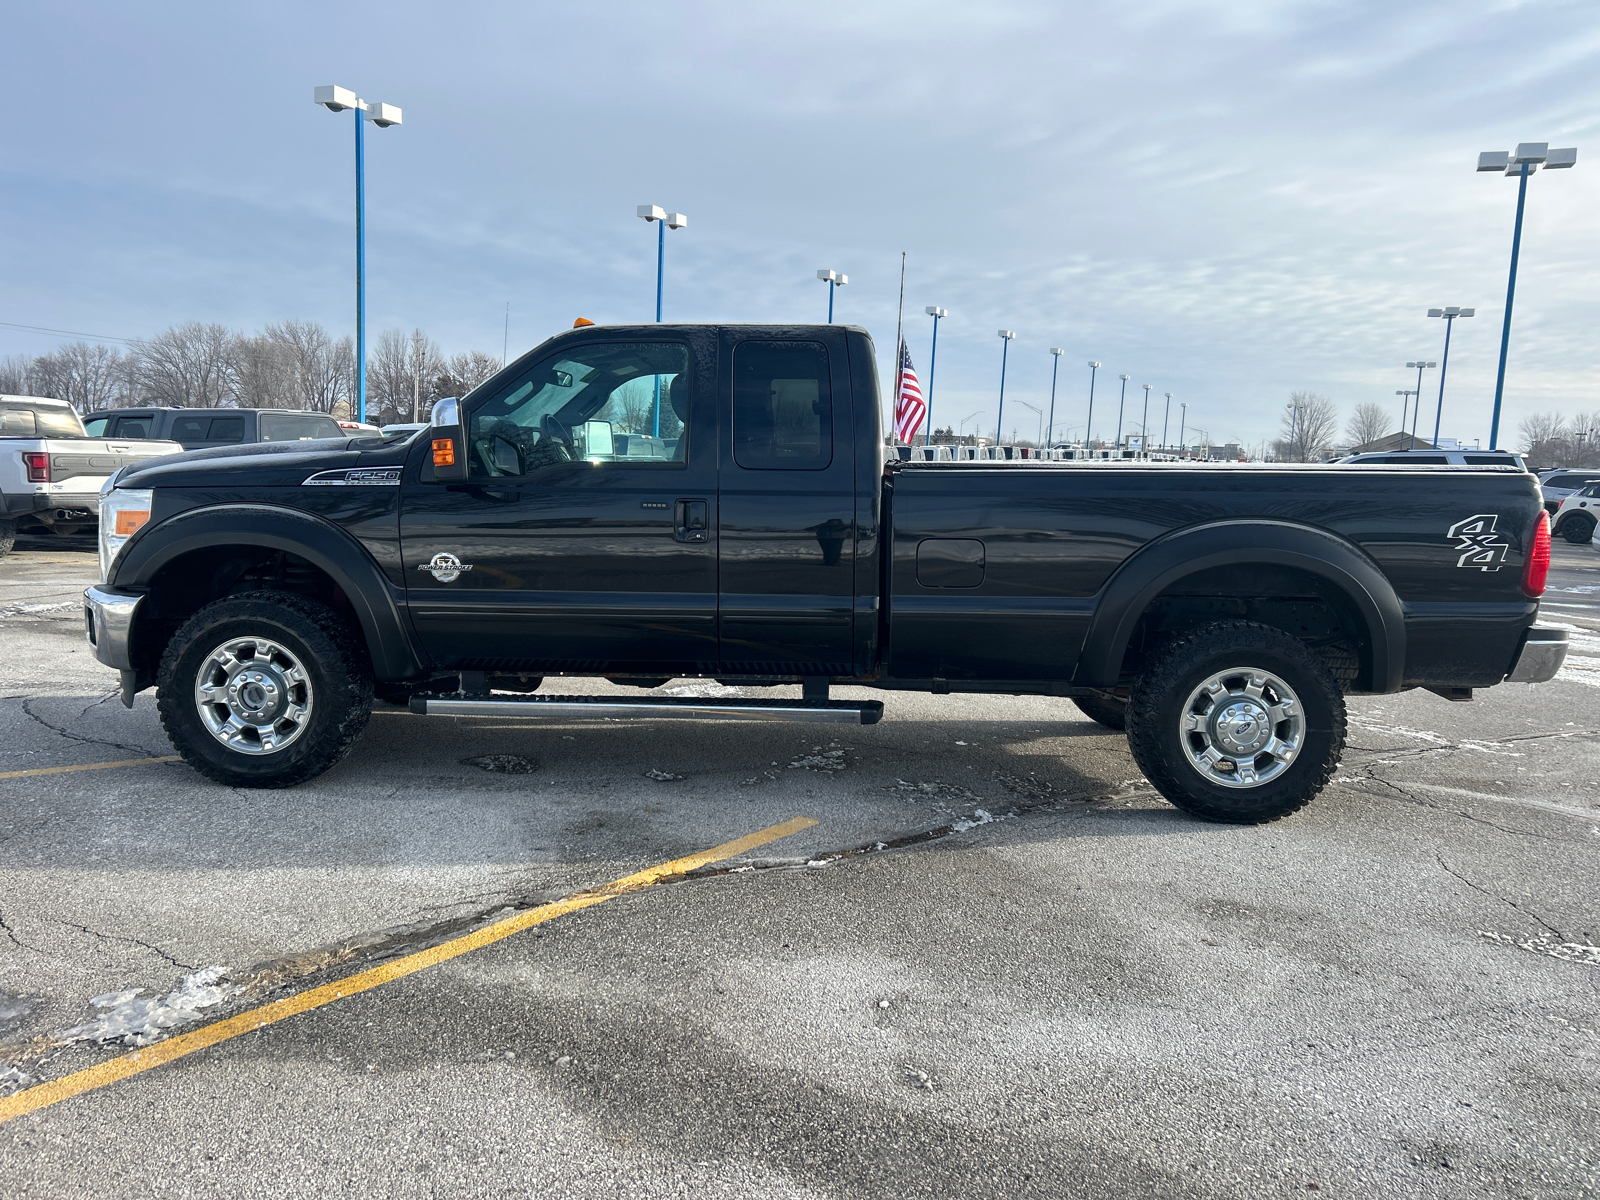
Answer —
(1536, 568)
(444, 452)
(131, 520)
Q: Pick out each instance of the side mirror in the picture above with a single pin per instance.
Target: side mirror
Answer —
(448, 449)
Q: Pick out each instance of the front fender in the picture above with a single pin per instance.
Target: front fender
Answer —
(1244, 543)
(319, 542)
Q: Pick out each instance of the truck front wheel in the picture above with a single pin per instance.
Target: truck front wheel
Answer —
(1237, 722)
(264, 689)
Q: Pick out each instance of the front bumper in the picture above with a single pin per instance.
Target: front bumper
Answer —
(1542, 655)
(108, 616)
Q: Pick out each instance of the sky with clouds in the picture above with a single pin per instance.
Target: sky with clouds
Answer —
(1228, 201)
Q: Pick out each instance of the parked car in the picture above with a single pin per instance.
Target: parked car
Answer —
(202, 428)
(1557, 485)
(1577, 515)
(358, 427)
(1437, 458)
(51, 472)
(654, 501)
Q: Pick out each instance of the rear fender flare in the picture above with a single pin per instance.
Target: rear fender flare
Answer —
(1156, 567)
(319, 542)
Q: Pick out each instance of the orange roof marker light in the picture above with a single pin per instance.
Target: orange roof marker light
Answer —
(581, 322)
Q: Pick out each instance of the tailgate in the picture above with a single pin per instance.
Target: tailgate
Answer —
(79, 468)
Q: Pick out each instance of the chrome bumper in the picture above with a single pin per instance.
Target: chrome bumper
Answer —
(108, 617)
(1541, 657)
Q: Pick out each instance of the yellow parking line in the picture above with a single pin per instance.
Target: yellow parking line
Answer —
(125, 762)
(98, 1076)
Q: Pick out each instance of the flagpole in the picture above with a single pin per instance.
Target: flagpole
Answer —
(899, 334)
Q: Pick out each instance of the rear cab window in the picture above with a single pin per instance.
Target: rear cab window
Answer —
(25, 421)
(297, 427)
(782, 406)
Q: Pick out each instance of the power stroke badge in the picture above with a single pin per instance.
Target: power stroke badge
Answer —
(445, 567)
(1478, 542)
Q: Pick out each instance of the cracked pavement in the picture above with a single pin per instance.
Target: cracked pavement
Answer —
(1391, 993)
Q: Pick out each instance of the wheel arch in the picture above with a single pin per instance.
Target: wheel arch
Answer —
(1323, 556)
(212, 531)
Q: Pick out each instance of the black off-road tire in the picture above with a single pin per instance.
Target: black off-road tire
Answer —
(1578, 530)
(1155, 717)
(1110, 711)
(8, 536)
(334, 658)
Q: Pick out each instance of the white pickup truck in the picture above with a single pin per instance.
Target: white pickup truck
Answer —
(51, 471)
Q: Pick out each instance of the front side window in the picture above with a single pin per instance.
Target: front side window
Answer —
(606, 403)
(782, 406)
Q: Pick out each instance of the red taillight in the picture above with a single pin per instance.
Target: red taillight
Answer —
(38, 467)
(1537, 565)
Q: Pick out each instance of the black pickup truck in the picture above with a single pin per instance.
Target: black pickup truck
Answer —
(650, 502)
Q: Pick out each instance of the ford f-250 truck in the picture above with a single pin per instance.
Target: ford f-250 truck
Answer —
(51, 471)
(658, 501)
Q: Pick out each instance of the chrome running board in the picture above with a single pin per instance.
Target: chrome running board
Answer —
(826, 712)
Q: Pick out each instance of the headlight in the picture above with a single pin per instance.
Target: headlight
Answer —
(123, 512)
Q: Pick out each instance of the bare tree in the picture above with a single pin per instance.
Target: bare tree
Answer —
(320, 367)
(460, 373)
(261, 373)
(1309, 424)
(15, 372)
(189, 364)
(87, 377)
(389, 376)
(1368, 423)
(1541, 427)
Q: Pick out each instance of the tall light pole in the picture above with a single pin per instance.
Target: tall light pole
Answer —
(1121, 404)
(1088, 426)
(1055, 366)
(1183, 422)
(1166, 419)
(337, 99)
(1144, 422)
(969, 417)
(1005, 346)
(1420, 366)
(1524, 162)
(834, 280)
(1407, 393)
(1039, 411)
(1294, 424)
(1449, 315)
(650, 214)
(934, 311)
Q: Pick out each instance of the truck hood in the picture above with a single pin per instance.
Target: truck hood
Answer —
(265, 464)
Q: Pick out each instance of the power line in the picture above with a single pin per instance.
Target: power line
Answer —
(99, 337)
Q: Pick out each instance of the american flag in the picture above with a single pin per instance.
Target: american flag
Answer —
(908, 406)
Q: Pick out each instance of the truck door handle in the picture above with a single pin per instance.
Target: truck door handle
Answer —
(691, 521)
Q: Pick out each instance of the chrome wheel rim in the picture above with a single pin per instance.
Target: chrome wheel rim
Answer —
(1242, 727)
(253, 695)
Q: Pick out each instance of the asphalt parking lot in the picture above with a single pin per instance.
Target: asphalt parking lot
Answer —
(997, 964)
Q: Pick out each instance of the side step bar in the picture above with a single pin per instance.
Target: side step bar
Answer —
(826, 712)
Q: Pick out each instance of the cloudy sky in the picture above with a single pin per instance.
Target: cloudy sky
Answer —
(1227, 201)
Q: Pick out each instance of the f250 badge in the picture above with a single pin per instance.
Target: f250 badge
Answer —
(445, 567)
(1478, 542)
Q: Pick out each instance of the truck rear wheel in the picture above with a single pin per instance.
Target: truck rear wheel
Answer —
(1108, 710)
(8, 536)
(264, 689)
(1237, 722)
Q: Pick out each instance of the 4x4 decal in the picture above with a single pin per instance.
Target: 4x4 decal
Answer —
(1480, 545)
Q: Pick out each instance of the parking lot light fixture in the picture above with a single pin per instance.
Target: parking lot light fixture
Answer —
(337, 99)
(1144, 423)
(1420, 367)
(1055, 367)
(1121, 404)
(934, 311)
(650, 214)
(1166, 419)
(1449, 315)
(1005, 345)
(1183, 422)
(834, 280)
(1088, 425)
(1518, 165)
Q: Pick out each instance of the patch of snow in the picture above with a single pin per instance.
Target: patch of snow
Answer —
(979, 816)
(14, 1079)
(662, 776)
(135, 1019)
(39, 610)
(1422, 735)
(1578, 952)
(819, 759)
